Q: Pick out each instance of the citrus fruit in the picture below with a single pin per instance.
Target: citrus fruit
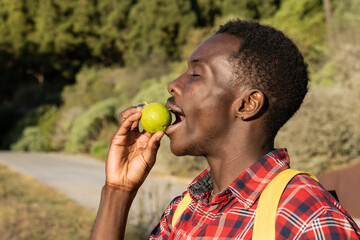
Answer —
(155, 117)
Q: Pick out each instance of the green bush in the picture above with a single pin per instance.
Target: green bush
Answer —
(32, 140)
(48, 119)
(87, 126)
(30, 119)
(154, 90)
(325, 132)
(37, 126)
(100, 149)
(151, 90)
(92, 86)
(303, 21)
(325, 73)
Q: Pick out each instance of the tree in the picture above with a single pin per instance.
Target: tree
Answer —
(328, 18)
(250, 9)
(158, 29)
(206, 11)
(13, 25)
(109, 41)
(304, 22)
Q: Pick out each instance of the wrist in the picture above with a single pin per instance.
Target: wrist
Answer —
(124, 191)
(113, 211)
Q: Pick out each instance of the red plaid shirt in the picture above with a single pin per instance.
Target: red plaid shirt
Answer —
(306, 210)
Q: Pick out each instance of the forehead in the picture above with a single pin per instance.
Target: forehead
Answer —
(219, 46)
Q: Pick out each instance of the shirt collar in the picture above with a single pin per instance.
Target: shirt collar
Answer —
(248, 186)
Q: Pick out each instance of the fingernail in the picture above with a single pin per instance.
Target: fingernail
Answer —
(158, 138)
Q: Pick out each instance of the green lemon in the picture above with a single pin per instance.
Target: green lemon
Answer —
(155, 117)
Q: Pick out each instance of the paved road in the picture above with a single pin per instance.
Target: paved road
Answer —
(81, 179)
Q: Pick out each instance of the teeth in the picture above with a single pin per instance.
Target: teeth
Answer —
(176, 112)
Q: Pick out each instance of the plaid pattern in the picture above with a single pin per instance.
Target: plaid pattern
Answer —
(306, 210)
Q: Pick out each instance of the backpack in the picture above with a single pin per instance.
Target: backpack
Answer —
(265, 216)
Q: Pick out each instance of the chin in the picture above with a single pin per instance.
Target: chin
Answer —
(185, 149)
(176, 150)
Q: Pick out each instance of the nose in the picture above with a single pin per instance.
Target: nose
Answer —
(171, 87)
(174, 87)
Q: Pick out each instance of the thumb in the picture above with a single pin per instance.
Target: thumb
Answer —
(152, 148)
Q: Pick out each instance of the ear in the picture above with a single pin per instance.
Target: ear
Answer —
(249, 104)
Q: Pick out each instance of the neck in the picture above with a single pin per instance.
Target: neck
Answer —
(227, 164)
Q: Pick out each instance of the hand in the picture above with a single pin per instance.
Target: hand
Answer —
(132, 154)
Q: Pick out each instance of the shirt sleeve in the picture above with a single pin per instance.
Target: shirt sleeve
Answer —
(163, 229)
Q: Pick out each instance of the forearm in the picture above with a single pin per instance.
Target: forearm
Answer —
(112, 215)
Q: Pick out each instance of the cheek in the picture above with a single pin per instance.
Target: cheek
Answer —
(208, 106)
(204, 122)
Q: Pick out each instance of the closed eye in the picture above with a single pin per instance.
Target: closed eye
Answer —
(195, 75)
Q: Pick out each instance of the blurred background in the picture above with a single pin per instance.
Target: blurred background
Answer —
(69, 67)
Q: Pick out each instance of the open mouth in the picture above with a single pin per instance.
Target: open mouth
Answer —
(178, 117)
(177, 112)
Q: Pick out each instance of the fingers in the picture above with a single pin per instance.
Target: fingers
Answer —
(128, 123)
(134, 120)
(135, 126)
(152, 148)
(127, 112)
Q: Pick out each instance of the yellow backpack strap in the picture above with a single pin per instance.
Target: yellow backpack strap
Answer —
(184, 203)
(265, 216)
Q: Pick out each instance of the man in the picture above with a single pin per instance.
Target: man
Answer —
(241, 86)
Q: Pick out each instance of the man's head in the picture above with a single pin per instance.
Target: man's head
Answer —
(202, 99)
(245, 72)
(269, 61)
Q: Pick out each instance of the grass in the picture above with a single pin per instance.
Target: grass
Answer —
(31, 210)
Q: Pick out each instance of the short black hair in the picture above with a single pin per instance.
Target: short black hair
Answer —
(269, 61)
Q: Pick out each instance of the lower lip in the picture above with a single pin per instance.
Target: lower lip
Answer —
(172, 128)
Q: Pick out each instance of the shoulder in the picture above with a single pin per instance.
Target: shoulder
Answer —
(164, 227)
(171, 208)
(304, 194)
(306, 206)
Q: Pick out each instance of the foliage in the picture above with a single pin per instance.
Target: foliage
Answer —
(92, 86)
(303, 21)
(100, 149)
(88, 125)
(35, 131)
(250, 9)
(324, 133)
(346, 19)
(53, 39)
(69, 67)
(345, 47)
(162, 34)
(153, 90)
(326, 72)
(86, 61)
(32, 140)
(96, 84)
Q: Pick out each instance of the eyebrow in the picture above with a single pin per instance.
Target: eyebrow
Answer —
(196, 60)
